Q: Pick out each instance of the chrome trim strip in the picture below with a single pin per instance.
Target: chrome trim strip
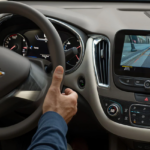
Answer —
(96, 40)
(130, 115)
(80, 39)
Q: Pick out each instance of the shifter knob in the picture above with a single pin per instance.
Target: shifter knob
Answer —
(113, 110)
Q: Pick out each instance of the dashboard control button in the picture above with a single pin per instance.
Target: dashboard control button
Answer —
(125, 110)
(126, 81)
(139, 146)
(119, 119)
(145, 109)
(106, 104)
(134, 108)
(134, 121)
(81, 82)
(142, 122)
(113, 110)
(126, 119)
(147, 84)
(134, 115)
(142, 98)
(139, 82)
(143, 116)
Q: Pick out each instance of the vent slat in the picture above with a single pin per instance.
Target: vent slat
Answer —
(106, 57)
(100, 62)
(102, 56)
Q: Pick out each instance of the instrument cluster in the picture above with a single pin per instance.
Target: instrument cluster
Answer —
(26, 39)
(33, 44)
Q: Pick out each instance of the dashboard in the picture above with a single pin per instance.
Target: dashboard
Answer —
(116, 82)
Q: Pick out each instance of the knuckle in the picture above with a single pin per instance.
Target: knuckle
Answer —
(74, 101)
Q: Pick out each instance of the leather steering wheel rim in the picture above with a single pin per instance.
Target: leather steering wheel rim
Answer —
(57, 57)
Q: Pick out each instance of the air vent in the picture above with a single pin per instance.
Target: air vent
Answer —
(101, 60)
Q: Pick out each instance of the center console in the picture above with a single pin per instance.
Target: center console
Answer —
(131, 72)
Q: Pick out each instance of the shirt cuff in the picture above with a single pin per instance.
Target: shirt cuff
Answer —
(53, 119)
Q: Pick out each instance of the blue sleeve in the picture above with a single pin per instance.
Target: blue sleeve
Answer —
(51, 133)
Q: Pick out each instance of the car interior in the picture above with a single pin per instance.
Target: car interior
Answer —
(104, 47)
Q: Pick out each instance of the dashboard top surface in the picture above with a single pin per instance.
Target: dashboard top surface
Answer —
(103, 18)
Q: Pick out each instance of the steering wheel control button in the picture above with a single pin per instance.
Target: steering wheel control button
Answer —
(81, 82)
(142, 98)
(147, 84)
(113, 110)
(126, 81)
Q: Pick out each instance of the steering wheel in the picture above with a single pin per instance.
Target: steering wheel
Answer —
(22, 83)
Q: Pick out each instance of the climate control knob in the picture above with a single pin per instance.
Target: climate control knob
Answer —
(113, 110)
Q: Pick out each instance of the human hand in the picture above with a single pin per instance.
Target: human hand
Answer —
(64, 104)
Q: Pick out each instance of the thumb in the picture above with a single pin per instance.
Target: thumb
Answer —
(57, 77)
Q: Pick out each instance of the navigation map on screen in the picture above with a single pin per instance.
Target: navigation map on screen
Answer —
(136, 51)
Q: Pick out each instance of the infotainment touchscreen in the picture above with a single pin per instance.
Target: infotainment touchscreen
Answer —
(131, 55)
(136, 51)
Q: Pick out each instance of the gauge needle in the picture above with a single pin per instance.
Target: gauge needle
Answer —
(78, 47)
(13, 47)
(77, 57)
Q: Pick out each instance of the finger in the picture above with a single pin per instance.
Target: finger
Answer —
(73, 95)
(68, 91)
(57, 77)
(63, 94)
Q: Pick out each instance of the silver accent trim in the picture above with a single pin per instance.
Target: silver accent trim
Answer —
(96, 40)
(80, 39)
(28, 95)
(41, 39)
(130, 116)
(117, 107)
(145, 83)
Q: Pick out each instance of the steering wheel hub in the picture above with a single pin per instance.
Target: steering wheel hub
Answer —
(16, 70)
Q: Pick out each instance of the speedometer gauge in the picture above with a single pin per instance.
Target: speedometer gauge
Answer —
(16, 43)
(70, 43)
